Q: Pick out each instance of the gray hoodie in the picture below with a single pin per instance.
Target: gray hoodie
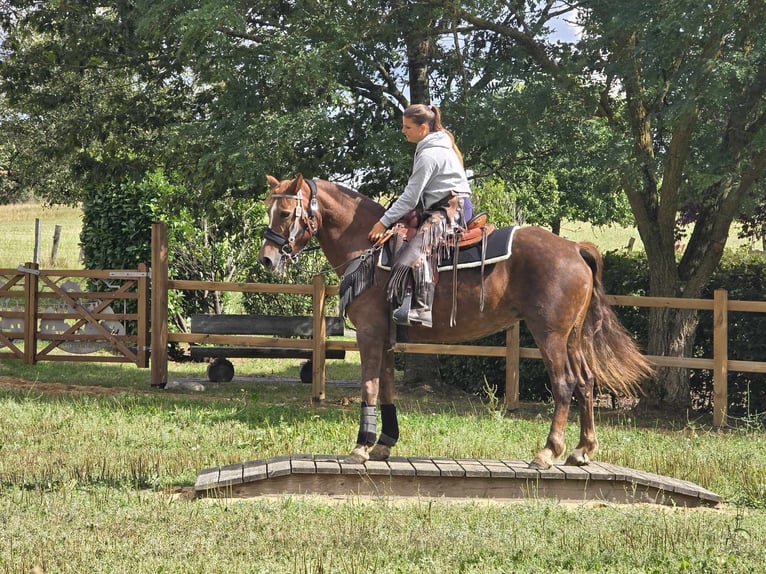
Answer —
(436, 171)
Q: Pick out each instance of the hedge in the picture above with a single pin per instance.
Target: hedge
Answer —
(743, 274)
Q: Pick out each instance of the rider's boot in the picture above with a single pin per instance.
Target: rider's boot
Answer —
(423, 295)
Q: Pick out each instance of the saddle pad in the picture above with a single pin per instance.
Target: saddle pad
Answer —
(498, 249)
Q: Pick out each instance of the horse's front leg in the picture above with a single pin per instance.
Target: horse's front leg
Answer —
(389, 432)
(371, 342)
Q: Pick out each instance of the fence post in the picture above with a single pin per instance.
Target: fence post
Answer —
(720, 356)
(142, 329)
(31, 283)
(159, 306)
(319, 339)
(512, 367)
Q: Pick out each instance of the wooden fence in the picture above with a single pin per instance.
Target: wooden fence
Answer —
(73, 319)
(720, 363)
(73, 323)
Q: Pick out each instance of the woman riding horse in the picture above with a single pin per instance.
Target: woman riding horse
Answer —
(437, 177)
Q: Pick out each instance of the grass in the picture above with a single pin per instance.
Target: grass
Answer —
(18, 245)
(87, 482)
(93, 461)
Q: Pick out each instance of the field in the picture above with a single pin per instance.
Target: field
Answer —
(96, 470)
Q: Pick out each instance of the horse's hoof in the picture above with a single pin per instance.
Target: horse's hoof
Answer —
(380, 452)
(357, 456)
(540, 463)
(578, 457)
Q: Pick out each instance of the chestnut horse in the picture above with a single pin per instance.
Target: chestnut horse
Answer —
(551, 283)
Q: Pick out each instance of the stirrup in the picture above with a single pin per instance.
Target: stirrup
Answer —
(402, 314)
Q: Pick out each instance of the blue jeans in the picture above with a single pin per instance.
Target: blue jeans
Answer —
(467, 208)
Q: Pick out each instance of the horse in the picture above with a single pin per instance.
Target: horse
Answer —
(551, 283)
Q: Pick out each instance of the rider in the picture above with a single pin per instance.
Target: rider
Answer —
(437, 175)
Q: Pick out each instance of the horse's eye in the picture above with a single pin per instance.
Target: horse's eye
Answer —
(284, 214)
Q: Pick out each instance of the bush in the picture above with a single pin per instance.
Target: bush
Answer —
(742, 274)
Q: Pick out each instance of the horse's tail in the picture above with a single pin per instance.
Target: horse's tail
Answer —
(610, 351)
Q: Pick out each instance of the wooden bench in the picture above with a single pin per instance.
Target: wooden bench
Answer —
(221, 370)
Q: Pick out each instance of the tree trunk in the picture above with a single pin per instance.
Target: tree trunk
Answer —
(671, 335)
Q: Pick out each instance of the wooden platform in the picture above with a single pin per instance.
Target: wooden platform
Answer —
(447, 478)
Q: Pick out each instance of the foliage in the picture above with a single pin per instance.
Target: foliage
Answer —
(626, 273)
(741, 274)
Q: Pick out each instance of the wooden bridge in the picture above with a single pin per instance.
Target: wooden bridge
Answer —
(447, 478)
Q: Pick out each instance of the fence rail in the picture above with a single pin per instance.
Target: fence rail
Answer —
(29, 285)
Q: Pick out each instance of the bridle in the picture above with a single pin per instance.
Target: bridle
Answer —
(303, 221)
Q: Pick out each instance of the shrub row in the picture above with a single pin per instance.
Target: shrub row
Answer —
(743, 274)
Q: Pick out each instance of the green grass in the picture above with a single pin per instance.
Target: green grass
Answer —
(87, 481)
(18, 245)
(92, 460)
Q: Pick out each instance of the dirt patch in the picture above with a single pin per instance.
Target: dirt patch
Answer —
(15, 384)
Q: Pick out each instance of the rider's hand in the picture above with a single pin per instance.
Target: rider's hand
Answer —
(376, 232)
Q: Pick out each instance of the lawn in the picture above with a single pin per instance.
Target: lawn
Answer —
(97, 467)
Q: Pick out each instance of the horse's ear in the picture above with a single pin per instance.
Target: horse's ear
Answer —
(296, 184)
(272, 181)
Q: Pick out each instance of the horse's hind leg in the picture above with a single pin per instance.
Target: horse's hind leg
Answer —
(554, 350)
(583, 391)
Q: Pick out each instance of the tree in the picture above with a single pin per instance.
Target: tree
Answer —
(681, 88)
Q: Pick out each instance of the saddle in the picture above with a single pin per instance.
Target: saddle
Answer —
(476, 230)
(445, 246)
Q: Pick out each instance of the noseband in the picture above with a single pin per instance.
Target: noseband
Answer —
(302, 222)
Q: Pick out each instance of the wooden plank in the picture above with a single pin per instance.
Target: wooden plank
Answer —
(230, 475)
(279, 325)
(319, 334)
(497, 469)
(254, 470)
(143, 332)
(159, 306)
(199, 352)
(327, 466)
(303, 466)
(278, 466)
(352, 468)
(207, 478)
(720, 357)
(474, 469)
(521, 469)
(424, 467)
(573, 472)
(379, 467)
(448, 467)
(555, 472)
(659, 302)
(30, 314)
(401, 466)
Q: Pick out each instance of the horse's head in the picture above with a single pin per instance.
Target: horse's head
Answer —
(292, 222)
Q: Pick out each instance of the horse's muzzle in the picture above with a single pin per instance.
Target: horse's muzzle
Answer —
(270, 258)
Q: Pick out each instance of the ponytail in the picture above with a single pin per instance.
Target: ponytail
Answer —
(432, 116)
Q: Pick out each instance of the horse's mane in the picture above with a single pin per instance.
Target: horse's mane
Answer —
(365, 202)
